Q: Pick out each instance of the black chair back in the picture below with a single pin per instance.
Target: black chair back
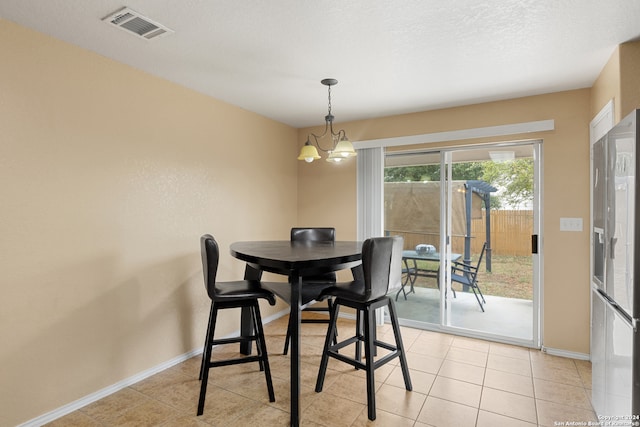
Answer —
(302, 235)
(378, 257)
(313, 234)
(210, 258)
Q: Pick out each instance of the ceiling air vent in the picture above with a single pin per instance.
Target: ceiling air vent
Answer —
(134, 23)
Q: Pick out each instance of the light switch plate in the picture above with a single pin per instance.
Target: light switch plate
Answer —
(570, 224)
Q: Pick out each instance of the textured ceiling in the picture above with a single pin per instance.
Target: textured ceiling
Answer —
(390, 57)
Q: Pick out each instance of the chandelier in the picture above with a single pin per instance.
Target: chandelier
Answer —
(341, 148)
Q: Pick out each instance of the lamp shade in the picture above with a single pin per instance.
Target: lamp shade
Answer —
(344, 148)
(308, 153)
(335, 157)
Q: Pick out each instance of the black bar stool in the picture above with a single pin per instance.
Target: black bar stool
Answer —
(241, 293)
(381, 262)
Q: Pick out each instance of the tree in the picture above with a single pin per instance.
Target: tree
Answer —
(459, 172)
(515, 177)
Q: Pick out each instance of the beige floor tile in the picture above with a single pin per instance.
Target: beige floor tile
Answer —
(408, 334)
(381, 374)
(111, 406)
(421, 381)
(190, 367)
(472, 357)
(584, 370)
(471, 344)
(509, 364)
(280, 367)
(282, 390)
(427, 347)
(234, 376)
(456, 391)
(424, 363)
(542, 359)
(256, 389)
(263, 416)
(564, 376)
(190, 420)
(508, 404)
(222, 407)
(438, 337)
(562, 394)
(309, 374)
(74, 419)
(489, 419)
(448, 373)
(507, 350)
(554, 363)
(462, 371)
(399, 401)
(166, 378)
(551, 413)
(181, 395)
(505, 381)
(443, 413)
(150, 414)
(383, 418)
(330, 410)
(349, 387)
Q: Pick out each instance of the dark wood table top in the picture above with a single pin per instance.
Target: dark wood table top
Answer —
(285, 257)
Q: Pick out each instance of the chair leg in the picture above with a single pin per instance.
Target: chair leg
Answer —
(207, 358)
(330, 306)
(262, 349)
(333, 318)
(359, 334)
(205, 342)
(287, 338)
(478, 299)
(481, 296)
(258, 336)
(393, 315)
(369, 345)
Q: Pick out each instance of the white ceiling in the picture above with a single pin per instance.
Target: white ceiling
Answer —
(390, 57)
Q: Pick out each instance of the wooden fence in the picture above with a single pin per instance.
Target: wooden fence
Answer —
(510, 234)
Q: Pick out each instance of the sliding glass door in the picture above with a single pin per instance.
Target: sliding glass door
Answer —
(467, 216)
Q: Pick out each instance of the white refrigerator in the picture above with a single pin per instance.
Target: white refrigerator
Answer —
(615, 275)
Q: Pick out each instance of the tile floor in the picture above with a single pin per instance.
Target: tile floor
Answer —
(456, 382)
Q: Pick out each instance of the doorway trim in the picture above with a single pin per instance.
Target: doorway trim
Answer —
(458, 135)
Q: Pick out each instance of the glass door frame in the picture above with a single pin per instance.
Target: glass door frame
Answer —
(445, 282)
(446, 158)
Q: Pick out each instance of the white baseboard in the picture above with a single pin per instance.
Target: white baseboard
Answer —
(565, 353)
(101, 394)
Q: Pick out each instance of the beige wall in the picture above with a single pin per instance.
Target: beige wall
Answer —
(620, 81)
(566, 192)
(607, 87)
(629, 78)
(108, 177)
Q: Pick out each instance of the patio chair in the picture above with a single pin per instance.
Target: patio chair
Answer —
(467, 276)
